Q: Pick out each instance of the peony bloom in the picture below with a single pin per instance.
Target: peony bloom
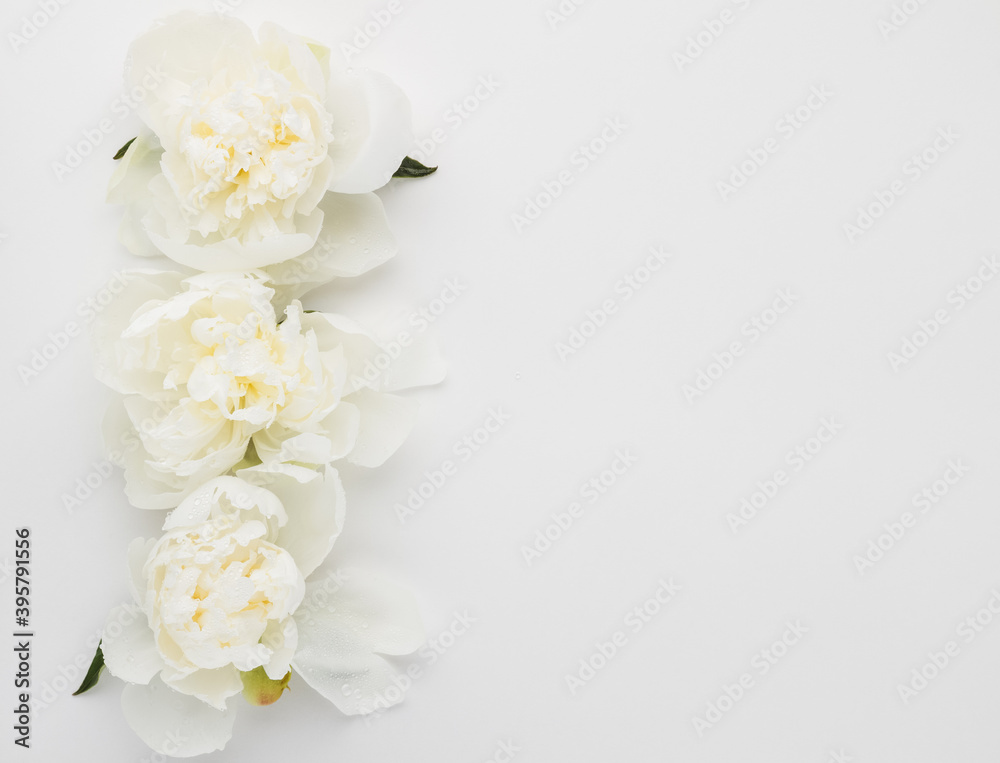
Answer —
(242, 140)
(223, 605)
(215, 380)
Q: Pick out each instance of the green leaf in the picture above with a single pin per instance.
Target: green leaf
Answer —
(123, 150)
(93, 673)
(411, 168)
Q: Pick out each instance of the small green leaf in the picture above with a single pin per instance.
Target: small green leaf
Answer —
(411, 168)
(93, 673)
(123, 150)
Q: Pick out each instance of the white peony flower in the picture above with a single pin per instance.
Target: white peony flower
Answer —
(223, 596)
(244, 138)
(214, 379)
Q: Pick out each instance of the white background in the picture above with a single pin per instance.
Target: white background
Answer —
(836, 691)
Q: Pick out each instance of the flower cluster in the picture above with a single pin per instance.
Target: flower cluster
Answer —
(254, 172)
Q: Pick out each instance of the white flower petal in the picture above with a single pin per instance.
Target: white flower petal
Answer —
(211, 686)
(356, 238)
(316, 512)
(132, 233)
(341, 427)
(360, 348)
(343, 633)
(139, 165)
(138, 287)
(199, 505)
(282, 638)
(175, 724)
(419, 365)
(290, 54)
(152, 484)
(386, 421)
(231, 253)
(129, 648)
(177, 51)
(372, 130)
(138, 552)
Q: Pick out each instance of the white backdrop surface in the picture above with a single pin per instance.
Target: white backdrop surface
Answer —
(875, 552)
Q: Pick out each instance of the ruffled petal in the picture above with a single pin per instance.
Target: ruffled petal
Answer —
(213, 686)
(197, 507)
(179, 50)
(231, 253)
(137, 288)
(290, 55)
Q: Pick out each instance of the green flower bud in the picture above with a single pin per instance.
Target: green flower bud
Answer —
(261, 690)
